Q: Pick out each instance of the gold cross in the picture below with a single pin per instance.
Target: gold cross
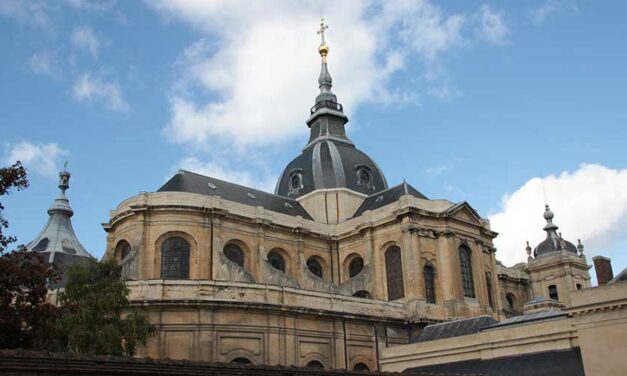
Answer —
(323, 27)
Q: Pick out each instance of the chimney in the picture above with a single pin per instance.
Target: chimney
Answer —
(603, 269)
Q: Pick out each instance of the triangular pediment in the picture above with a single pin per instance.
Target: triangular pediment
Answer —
(464, 212)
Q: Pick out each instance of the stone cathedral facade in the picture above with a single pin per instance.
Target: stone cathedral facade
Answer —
(332, 268)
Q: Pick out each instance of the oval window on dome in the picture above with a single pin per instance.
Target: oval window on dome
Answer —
(67, 246)
(364, 176)
(42, 245)
(295, 182)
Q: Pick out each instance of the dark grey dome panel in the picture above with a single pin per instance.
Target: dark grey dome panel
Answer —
(331, 164)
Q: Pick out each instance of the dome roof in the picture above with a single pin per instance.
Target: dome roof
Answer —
(554, 241)
(57, 242)
(329, 160)
(328, 164)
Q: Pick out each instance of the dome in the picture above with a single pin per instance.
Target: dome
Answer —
(328, 164)
(554, 241)
(330, 159)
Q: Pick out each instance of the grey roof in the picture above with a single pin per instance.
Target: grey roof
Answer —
(548, 363)
(455, 328)
(186, 181)
(388, 196)
(523, 319)
(553, 242)
(620, 277)
(57, 240)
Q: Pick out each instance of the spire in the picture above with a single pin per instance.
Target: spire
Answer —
(326, 98)
(548, 215)
(57, 240)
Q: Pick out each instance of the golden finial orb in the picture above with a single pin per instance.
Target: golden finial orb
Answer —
(323, 49)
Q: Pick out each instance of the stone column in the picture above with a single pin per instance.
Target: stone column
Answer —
(216, 245)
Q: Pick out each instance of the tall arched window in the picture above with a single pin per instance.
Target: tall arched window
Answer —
(122, 250)
(175, 258)
(466, 269)
(429, 273)
(553, 292)
(276, 260)
(356, 266)
(394, 273)
(511, 300)
(234, 253)
(488, 282)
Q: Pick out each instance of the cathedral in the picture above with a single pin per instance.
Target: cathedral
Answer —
(334, 269)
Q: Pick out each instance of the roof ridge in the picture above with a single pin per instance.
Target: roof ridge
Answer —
(239, 185)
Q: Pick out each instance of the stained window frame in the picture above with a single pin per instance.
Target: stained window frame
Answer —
(429, 279)
(467, 278)
(169, 268)
(394, 272)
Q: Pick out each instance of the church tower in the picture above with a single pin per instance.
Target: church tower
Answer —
(558, 266)
(57, 242)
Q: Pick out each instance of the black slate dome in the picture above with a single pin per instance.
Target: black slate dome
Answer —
(329, 160)
(553, 242)
(328, 164)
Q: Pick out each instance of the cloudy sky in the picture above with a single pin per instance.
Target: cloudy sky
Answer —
(495, 103)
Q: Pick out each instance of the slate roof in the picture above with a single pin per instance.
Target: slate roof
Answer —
(191, 182)
(536, 316)
(388, 196)
(620, 277)
(549, 363)
(454, 328)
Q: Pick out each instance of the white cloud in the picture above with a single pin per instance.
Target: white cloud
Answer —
(88, 87)
(539, 15)
(492, 26)
(85, 39)
(439, 169)
(38, 157)
(589, 204)
(445, 93)
(258, 61)
(34, 12)
(42, 63)
(222, 172)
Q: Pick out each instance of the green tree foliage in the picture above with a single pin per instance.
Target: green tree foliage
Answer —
(93, 304)
(10, 177)
(26, 318)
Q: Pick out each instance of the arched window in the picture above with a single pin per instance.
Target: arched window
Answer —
(122, 250)
(511, 300)
(362, 294)
(361, 367)
(466, 269)
(488, 282)
(553, 292)
(314, 266)
(314, 364)
(429, 283)
(234, 253)
(241, 360)
(356, 266)
(175, 258)
(394, 273)
(276, 260)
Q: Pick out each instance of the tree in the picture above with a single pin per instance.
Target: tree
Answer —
(93, 303)
(26, 318)
(10, 177)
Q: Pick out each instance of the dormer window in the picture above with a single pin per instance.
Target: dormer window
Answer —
(295, 183)
(364, 176)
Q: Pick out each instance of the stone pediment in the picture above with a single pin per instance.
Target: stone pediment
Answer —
(464, 213)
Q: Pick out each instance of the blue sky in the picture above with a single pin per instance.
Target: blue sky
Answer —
(485, 102)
